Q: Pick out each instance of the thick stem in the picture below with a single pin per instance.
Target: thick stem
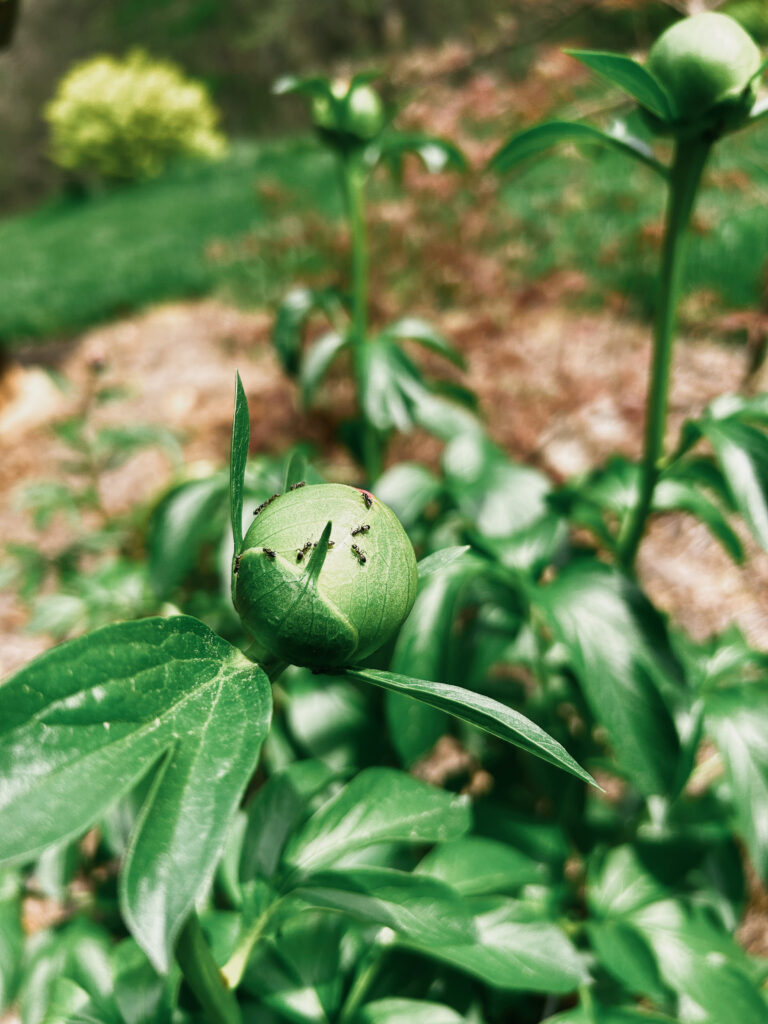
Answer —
(688, 165)
(202, 974)
(354, 176)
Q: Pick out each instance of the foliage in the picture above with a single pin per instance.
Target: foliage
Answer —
(265, 832)
(122, 120)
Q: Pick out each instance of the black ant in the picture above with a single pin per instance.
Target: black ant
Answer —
(268, 552)
(359, 554)
(295, 487)
(360, 529)
(237, 563)
(264, 504)
(367, 499)
(302, 551)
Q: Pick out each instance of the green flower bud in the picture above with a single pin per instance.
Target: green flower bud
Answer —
(361, 595)
(707, 63)
(357, 115)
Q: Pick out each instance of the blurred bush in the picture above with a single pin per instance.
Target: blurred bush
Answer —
(123, 120)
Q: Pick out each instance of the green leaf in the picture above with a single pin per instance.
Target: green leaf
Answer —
(274, 812)
(312, 85)
(625, 954)
(379, 805)
(179, 526)
(598, 1014)
(71, 1004)
(481, 711)
(435, 153)
(511, 951)
(542, 137)
(406, 1011)
(418, 908)
(81, 725)
(294, 312)
(295, 470)
(318, 360)
(701, 962)
(632, 78)
(737, 720)
(742, 453)
(241, 436)
(408, 488)
(619, 650)
(671, 493)
(414, 328)
(300, 972)
(620, 884)
(11, 937)
(439, 561)
(475, 866)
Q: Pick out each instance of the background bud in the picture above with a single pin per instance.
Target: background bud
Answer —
(364, 591)
(707, 64)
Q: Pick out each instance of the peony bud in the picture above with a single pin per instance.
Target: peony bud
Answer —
(358, 114)
(707, 63)
(362, 594)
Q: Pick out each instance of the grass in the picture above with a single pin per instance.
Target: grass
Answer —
(251, 225)
(74, 262)
(602, 215)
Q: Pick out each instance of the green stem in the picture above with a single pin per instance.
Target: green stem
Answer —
(203, 976)
(234, 968)
(354, 176)
(588, 1004)
(362, 983)
(687, 167)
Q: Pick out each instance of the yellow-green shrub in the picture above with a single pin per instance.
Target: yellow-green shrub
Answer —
(125, 119)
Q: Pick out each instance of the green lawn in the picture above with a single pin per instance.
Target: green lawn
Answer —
(593, 213)
(74, 262)
(247, 227)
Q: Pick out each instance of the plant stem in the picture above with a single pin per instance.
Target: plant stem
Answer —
(687, 167)
(203, 976)
(354, 176)
(588, 1003)
(359, 990)
(234, 968)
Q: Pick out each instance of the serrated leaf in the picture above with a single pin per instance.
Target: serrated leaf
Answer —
(476, 866)
(632, 78)
(379, 805)
(737, 719)
(511, 951)
(619, 650)
(241, 437)
(532, 141)
(419, 908)
(318, 360)
(82, 723)
(481, 711)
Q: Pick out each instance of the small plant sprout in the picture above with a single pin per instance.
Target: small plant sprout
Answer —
(699, 84)
(392, 392)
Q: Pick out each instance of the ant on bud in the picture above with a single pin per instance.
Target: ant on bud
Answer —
(237, 563)
(302, 551)
(364, 528)
(268, 552)
(358, 554)
(367, 499)
(295, 487)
